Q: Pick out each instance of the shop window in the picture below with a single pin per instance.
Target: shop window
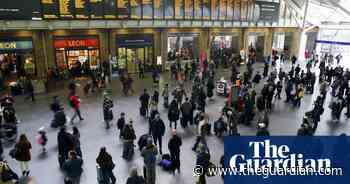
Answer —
(147, 10)
(206, 9)
(183, 47)
(179, 9)
(169, 9)
(197, 9)
(135, 9)
(159, 9)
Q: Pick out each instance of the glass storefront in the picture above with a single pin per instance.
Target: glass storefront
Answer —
(135, 51)
(256, 46)
(184, 46)
(16, 58)
(224, 45)
(282, 43)
(77, 53)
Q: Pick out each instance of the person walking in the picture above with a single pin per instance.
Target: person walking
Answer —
(203, 160)
(30, 90)
(174, 145)
(65, 143)
(107, 110)
(173, 113)
(106, 166)
(144, 99)
(165, 95)
(149, 154)
(76, 140)
(134, 178)
(75, 104)
(158, 131)
(187, 115)
(121, 123)
(73, 168)
(23, 155)
(128, 136)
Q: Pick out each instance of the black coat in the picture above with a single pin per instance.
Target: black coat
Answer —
(157, 128)
(173, 114)
(65, 143)
(174, 144)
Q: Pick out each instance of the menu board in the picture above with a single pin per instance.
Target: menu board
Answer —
(109, 8)
(66, 8)
(81, 9)
(96, 7)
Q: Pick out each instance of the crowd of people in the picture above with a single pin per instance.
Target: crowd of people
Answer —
(250, 100)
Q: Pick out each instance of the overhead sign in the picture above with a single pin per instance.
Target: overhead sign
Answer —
(134, 40)
(17, 9)
(16, 45)
(269, 11)
(76, 43)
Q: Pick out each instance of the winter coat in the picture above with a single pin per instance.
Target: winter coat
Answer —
(73, 168)
(23, 151)
(157, 128)
(149, 154)
(135, 180)
(120, 123)
(75, 101)
(203, 160)
(186, 108)
(173, 114)
(65, 143)
(105, 161)
(60, 118)
(128, 133)
(144, 99)
(174, 144)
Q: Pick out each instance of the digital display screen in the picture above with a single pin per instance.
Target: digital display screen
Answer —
(19, 10)
(82, 9)
(96, 7)
(66, 8)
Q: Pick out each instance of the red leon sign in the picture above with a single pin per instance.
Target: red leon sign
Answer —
(76, 43)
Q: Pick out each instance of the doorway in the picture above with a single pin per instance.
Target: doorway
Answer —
(132, 58)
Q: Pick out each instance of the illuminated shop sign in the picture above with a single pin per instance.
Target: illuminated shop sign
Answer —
(16, 45)
(76, 43)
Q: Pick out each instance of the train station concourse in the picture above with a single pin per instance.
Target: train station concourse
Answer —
(157, 91)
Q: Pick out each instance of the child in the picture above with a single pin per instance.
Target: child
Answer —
(42, 139)
(121, 123)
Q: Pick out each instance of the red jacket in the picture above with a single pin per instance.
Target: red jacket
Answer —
(75, 101)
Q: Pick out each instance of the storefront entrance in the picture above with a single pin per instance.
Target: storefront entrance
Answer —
(135, 52)
(256, 46)
(224, 45)
(77, 54)
(184, 46)
(16, 59)
(282, 43)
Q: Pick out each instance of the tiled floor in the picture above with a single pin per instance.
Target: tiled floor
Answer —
(284, 120)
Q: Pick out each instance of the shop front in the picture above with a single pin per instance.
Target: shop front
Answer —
(183, 46)
(77, 53)
(256, 46)
(282, 43)
(224, 45)
(135, 52)
(16, 58)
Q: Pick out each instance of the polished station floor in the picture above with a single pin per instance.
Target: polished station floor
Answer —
(284, 120)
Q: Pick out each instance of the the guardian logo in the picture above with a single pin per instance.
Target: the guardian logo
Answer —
(267, 155)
